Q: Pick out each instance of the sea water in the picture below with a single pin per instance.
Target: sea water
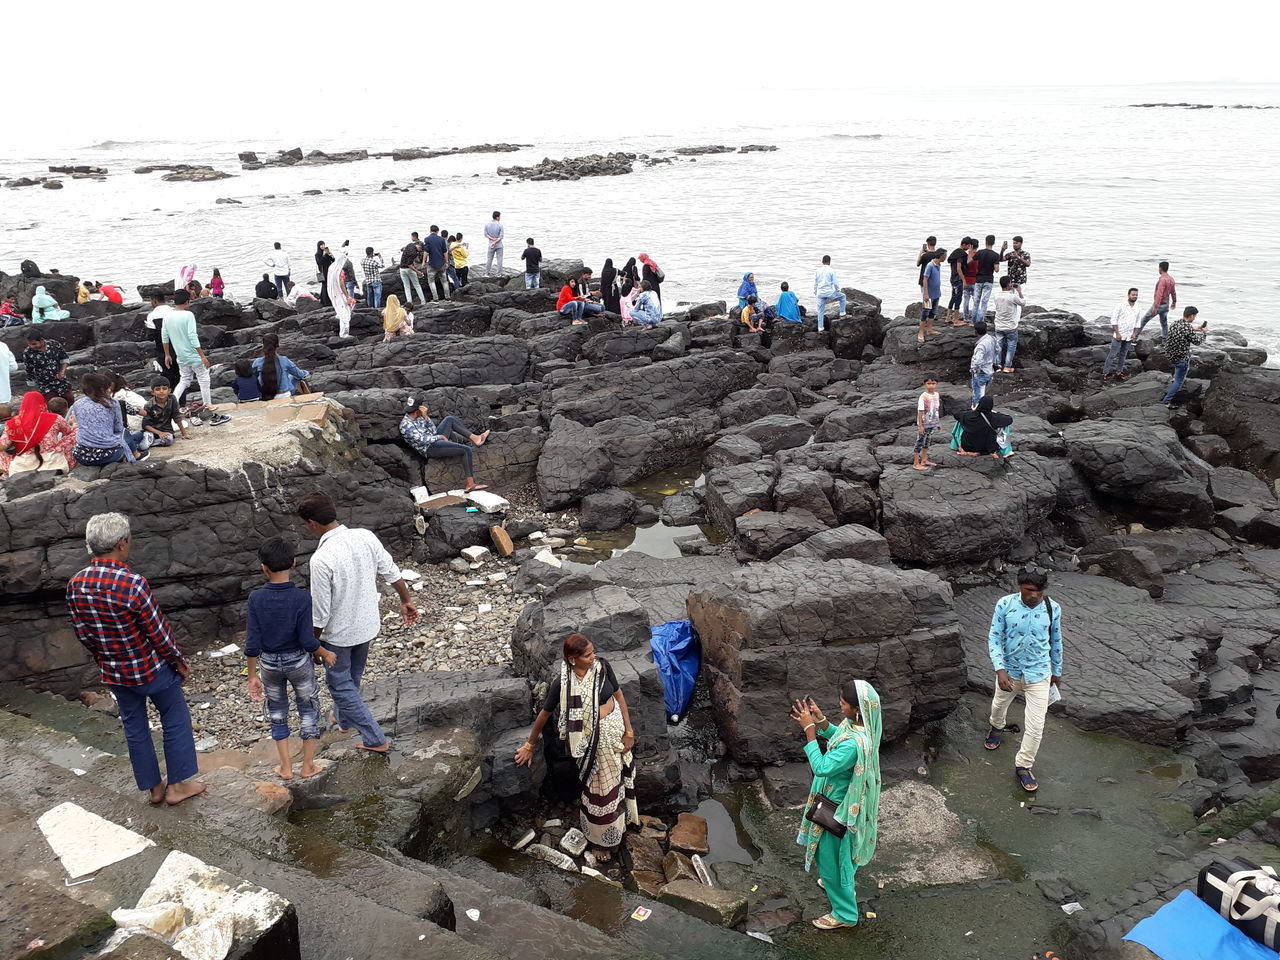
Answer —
(1100, 190)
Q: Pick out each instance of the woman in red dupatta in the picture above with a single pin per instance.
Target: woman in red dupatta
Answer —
(34, 428)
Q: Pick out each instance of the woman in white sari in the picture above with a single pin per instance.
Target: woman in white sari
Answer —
(342, 303)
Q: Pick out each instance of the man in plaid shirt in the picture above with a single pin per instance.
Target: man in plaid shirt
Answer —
(371, 267)
(116, 617)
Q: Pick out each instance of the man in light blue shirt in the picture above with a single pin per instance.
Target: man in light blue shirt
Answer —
(826, 287)
(1025, 643)
(982, 365)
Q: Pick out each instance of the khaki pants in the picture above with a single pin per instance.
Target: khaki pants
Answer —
(1036, 696)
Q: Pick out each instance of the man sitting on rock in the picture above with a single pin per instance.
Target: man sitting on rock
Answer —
(116, 617)
(266, 290)
(1025, 644)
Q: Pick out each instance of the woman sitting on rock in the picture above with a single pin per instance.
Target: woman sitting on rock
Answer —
(45, 309)
(982, 433)
(100, 427)
(38, 434)
(747, 289)
(430, 440)
(278, 375)
(648, 308)
(396, 320)
(595, 728)
(838, 828)
(572, 302)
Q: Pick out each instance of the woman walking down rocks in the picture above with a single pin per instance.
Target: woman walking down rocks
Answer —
(653, 273)
(609, 293)
(838, 829)
(277, 375)
(594, 727)
(324, 260)
(396, 320)
(431, 440)
(100, 427)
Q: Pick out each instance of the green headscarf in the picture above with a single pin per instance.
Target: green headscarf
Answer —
(859, 808)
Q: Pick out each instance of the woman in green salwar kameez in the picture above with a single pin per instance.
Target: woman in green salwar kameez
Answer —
(849, 774)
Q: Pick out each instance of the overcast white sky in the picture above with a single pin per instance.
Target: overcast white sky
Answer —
(134, 69)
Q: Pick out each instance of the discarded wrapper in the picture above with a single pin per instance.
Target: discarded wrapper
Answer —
(641, 913)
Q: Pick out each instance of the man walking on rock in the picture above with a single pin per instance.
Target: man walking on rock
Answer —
(344, 594)
(826, 287)
(982, 365)
(1124, 333)
(1177, 348)
(410, 261)
(116, 617)
(437, 251)
(1164, 300)
(1025, 644)
(277, 262)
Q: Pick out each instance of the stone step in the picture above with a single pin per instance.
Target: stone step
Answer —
(509, 927)
(352, 903)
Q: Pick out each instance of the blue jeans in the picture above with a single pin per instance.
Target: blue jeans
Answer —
(343, 680)
(533, 281)
(822, 307)
(165, 691)
(576, 308)
(967, 313)
(981, 296)
(978, 382)
(957, 294)
(278, 672)
(283, 284)
(922, 440)
(373, 294)
(411, 285)
(1008, 346)
(138, 439)
(1179, 375)
(1116, 356)
(1163, 310)
(351, 288)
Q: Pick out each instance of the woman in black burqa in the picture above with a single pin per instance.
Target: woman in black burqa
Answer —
(609, 288)
(324, 260)
(979, 426)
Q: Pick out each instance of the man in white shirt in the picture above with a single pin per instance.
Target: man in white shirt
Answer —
(278, 262)
(1009, 304)
(494, 231)
(154, 323)
(1124, 333)
(826, 287)
(344, 596)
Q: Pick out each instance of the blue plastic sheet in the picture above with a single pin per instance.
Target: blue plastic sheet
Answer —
(1186, 928)
(678, 655)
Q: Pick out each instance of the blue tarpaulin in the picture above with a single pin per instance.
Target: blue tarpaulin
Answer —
(1187, 928)
(678, 655)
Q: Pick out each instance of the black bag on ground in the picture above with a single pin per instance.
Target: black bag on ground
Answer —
(1246, 895)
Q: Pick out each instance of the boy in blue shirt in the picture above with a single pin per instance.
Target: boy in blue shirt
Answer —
(930, 291)
(280, 643)
(1025, 644)
(247, 385)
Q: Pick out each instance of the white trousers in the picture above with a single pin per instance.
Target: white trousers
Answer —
(1036, 696)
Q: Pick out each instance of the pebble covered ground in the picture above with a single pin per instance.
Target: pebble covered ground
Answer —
(466, 621)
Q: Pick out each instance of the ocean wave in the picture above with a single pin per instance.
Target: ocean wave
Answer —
(115, 144)
(854, 136)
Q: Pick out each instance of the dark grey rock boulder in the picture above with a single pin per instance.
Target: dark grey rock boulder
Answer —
(682, 509)
(798, 488)
(744, 406)
(772, 631)
(572, 464)
(608, 615)
(731, 449)
(848, 542)
(607, 510)
(776, 432)
(732, 491)
(1240, 407)
(1231, 487)
(1136, 566)
(763, 535)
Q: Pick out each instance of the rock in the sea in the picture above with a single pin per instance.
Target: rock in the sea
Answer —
(574, 168)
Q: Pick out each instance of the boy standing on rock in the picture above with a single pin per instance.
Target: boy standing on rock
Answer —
(279, 645)
(1025, 644)
(928, 415)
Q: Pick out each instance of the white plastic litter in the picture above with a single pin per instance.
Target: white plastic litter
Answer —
(226, 651)
(1072, 907)
(488, 502)
(474, 914)
(407, 574)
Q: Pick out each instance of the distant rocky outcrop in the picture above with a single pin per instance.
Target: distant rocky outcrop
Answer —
(183, 172)
(249, 160)
(427, 153)
(574, 168)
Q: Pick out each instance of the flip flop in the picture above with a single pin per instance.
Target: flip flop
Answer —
(829, 922)
(1026, 779)
(994, 739)
(476, 486)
